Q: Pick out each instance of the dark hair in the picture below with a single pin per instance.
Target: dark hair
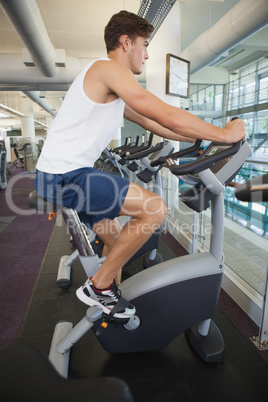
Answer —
(125, 23)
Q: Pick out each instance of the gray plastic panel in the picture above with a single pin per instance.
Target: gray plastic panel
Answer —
(169, 272)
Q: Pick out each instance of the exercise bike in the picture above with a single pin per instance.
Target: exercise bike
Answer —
(140, 159)
(149, 249)
(3, 165)
(176, 296)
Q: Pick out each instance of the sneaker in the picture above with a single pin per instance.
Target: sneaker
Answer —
(105, 299)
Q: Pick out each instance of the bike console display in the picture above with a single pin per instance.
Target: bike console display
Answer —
(212, 171)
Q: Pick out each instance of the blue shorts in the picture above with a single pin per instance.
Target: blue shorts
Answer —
(93, 194)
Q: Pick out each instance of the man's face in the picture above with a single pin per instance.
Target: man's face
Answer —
(138, 54)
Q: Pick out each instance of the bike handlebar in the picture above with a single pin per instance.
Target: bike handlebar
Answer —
(200, 163)
(177, 154)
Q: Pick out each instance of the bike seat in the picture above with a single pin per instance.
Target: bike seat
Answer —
(37, 202)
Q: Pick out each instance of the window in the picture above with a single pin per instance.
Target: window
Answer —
(263, 92)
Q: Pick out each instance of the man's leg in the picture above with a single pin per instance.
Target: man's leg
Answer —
(148, 212)
(108, 230)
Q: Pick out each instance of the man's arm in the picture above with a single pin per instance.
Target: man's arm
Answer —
(121, 81)
(153, 126)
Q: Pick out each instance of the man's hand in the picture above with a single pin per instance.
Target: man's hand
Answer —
(234, 131)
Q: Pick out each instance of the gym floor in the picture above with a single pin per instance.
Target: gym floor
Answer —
(174, 373)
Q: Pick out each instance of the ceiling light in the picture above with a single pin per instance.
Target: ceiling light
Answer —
(8, 109)
(155, 11)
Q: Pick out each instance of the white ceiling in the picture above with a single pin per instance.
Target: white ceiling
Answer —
(77, 26)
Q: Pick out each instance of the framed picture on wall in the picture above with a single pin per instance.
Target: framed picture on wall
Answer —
(177, 76)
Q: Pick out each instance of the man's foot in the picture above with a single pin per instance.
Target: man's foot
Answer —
(105, 299)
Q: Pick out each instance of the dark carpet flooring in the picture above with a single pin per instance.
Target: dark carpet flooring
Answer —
(24, 237)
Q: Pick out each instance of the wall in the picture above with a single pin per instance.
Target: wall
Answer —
(166, 40)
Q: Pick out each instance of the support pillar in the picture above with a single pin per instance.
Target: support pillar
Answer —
(116, 141)
(28, 131)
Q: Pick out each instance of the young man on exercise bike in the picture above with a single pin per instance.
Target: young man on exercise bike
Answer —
(104, 92)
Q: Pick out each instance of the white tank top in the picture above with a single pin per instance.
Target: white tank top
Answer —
(80, 131)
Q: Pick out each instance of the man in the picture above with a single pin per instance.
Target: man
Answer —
(104, 92)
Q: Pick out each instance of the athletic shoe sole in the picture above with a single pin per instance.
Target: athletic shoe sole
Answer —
(91, 302)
